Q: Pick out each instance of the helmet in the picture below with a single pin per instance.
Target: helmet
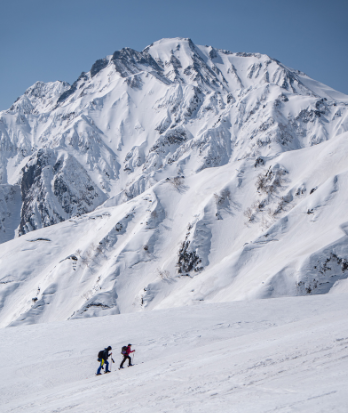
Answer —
(129, 345)
(109, 348)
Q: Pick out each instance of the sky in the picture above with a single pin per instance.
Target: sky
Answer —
(57, 40)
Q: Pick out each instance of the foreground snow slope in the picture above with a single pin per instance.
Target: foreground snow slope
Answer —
(279, 355)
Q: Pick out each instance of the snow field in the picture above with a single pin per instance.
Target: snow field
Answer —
(279, 355)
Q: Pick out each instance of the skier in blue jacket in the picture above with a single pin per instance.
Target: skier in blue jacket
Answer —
(104, 360)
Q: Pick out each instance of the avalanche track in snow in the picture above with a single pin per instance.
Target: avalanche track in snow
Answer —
(173, 176)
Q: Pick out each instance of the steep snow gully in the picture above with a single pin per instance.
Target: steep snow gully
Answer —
(175, 176)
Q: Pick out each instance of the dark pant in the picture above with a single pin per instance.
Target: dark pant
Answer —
(124, 359)
(102, 364)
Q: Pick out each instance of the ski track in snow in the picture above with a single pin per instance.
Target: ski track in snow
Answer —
(279, 355)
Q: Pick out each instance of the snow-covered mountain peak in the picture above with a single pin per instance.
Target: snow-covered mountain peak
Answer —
(166, 176)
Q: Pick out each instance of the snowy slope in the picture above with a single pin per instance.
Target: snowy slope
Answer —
(282, 355)
(168, 177)
(125, 258)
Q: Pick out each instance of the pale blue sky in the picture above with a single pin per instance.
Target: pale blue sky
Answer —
(56, 40)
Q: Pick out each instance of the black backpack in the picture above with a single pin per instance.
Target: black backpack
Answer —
(100, 354)
(124, 350)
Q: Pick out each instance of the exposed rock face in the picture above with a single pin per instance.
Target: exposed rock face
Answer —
(130, 62)
(55, 187)
(10, 201)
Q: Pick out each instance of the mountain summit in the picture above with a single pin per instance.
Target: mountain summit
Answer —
(170, 176)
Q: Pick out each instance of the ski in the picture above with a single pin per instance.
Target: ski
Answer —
(131, 365)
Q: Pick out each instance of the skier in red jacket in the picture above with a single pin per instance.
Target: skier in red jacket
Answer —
(126, 355)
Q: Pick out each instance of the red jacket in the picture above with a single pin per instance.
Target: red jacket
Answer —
(129, 351)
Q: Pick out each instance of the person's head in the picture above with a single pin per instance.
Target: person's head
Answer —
(109, 348)
(129, 345)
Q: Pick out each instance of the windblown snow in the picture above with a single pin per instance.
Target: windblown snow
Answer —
(169, 177)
